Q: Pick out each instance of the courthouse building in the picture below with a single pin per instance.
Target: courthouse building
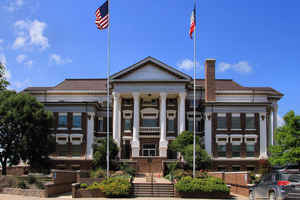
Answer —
(151, 103)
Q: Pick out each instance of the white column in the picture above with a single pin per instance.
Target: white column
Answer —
(163, 143)
(275, 113)
(90, 135)
(182, 96)
(263, 136)
(208, 133)
(135, 144)
(116, 108)
(271, 139)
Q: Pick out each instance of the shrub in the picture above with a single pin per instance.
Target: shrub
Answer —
(98, 173)
(83, 185)
(209, 184)
(128, 169)
(39, 185)
(179, 173)
(93, 186)
(115, 187)
(31, 179)
(22, 185)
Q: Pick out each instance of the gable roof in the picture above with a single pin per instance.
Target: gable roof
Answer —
(154, 61)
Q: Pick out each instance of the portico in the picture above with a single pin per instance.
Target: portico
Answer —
(156, 118)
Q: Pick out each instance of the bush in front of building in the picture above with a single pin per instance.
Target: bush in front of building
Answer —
(115, 187)
(98, 173)
(201, 185)
(100, 153)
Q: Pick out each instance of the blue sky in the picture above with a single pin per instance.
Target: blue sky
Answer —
(256, 43)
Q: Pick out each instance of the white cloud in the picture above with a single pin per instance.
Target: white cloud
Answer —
(28, 63)
(19, 42)
(280, 121)
(241, 67)
(18, 85)
(1, 41)
(187, 64)
(57, 59)
(21, 58)
(3, 59)
(13, 5)
(30, 33)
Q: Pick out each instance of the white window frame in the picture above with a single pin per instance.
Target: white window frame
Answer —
(251, 136)
(125, 112)
(149, 111)
(62, 135)
(76, 114)
(76, 135)
(170, 113)
(190, 116)
(234, 136)
(222, 136)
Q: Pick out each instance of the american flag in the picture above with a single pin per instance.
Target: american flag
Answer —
(193, 22)
(102, 16)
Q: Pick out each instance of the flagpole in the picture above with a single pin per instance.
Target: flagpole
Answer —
(108, 94)
(194, 146)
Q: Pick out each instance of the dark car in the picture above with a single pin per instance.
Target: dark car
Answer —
(277, 185)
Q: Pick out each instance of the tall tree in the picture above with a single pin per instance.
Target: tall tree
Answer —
(3, 81)
(24, 130)
(287, 146)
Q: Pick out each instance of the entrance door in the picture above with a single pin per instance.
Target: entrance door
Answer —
(149, 149)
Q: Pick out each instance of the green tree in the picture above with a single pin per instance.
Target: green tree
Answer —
(3, 82)
(287, 146)
(100, 152)
(24, 130)
(184, 144)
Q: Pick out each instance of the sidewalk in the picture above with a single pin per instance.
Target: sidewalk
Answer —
(16, 197)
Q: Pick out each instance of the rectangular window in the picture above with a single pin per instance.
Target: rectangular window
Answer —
(171, 125)
(236, 151)
(221, 169)
(76, 120)
(221, 150)
(149, 150)
(250, 150)
(236, 168)
(235, 121)
(62, 120)
(149, 123)
(250, 121)
(127, 124)
(100, 124)
(221, 121)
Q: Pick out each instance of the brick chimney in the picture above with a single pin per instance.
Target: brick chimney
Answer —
(210, 83)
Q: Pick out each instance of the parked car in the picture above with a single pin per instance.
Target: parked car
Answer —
(277, 185)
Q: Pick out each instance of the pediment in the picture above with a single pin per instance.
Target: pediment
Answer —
(150, 69)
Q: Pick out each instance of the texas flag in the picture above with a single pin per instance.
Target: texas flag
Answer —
(193, 23)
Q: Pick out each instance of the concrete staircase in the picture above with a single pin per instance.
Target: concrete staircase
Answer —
(153, 189)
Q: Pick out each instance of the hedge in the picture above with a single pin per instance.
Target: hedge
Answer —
(209, 184)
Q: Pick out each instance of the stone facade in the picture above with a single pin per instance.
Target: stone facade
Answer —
(150, 104)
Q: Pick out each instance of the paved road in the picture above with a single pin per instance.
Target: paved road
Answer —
(67, 197)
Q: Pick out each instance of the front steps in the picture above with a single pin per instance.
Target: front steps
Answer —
(153, 189)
